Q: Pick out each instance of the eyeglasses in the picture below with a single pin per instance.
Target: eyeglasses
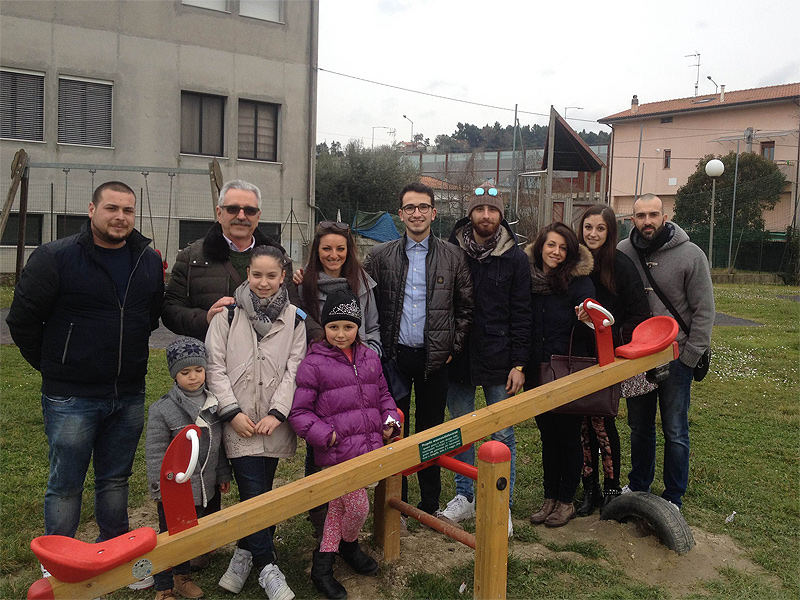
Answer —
(334, 225)
(481, 191)
(410, 208)
(233, 209)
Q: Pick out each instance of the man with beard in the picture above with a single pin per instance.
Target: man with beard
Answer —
(499, 341)
(680, 269)
(82, 315)
(424, 297)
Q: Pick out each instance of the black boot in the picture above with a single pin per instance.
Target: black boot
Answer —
(592, 496)
(322, 576)
(363, 564)
(609, 495)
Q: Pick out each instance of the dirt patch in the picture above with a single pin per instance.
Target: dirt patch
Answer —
(643, 559)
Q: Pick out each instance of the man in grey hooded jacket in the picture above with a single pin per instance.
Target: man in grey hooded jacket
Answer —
(680, 269)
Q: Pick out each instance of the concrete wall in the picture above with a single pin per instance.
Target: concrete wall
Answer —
(151, 51)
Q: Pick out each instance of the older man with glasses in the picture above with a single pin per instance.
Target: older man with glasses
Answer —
(424, 296)
(208, 271)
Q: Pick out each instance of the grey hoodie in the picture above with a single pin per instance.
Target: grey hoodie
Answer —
(680, 269)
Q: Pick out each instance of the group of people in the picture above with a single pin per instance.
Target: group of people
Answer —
(330, 353)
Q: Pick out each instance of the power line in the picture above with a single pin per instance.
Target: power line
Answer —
(441, 97)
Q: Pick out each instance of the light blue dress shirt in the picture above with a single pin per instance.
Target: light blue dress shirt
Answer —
(412, 321)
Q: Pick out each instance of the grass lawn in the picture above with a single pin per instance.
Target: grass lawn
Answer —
(744, 432)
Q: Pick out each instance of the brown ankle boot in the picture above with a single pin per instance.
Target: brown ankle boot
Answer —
(561, 515)
(165, 595)
(547, 507)
(186, 587)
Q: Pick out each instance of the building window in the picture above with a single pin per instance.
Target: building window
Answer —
(84, 112)
(666, 120)
(768, 150)
(667, 159)
(67, 225)
(258, 130)
(266, 10)
(33, 230)
(202, 118)
(218, 5)
(22, 105)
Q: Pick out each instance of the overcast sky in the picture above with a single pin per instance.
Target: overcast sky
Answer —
(580, 54)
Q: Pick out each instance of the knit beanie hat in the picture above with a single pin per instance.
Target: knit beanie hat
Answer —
(341, 305)
(185, 352)
(490, 197)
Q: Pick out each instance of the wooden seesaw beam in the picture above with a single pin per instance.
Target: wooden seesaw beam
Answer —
(230, 524)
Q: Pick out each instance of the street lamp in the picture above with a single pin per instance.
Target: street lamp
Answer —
(716, 87)
(566, 108)
(714, 168)
(412, 127)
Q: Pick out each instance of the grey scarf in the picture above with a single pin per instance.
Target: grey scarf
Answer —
(261, 312)
(479, 252)
(540, 283)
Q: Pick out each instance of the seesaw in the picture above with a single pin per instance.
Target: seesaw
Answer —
(90, 570)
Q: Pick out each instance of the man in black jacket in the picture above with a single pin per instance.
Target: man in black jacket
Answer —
(82, 315)
(424, 297)
(208, 271)
(499, 341)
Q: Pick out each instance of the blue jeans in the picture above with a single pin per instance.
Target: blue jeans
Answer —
(673, 396)
(460, 402)
(78, 428)
(254, 476)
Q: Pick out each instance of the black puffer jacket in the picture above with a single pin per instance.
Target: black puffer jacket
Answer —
(554, 316)
(448, 311)
(500, 336)
(68, 321)
(200, 278)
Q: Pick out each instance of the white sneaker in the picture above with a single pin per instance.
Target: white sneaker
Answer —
(459, 509)
(238, 570)
(626, 489)
(274, 583)
(45, 572)
(142, 584)
(510, 525)
(675, 506)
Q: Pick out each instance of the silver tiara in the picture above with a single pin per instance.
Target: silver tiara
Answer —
(351, 309)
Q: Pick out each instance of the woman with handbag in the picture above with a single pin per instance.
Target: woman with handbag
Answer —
(619, 289)
(560, 281)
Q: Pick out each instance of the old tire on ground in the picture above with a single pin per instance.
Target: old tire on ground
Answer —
(654, 515)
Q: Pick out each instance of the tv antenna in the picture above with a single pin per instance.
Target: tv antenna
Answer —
(696, 56)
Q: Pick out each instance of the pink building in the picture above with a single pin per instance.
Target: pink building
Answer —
(676, 134)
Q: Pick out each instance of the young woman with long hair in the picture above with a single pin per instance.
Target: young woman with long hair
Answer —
(618, 288)
(560, 269)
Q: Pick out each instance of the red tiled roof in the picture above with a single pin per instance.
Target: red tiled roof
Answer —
(732, 98)
(437, 184)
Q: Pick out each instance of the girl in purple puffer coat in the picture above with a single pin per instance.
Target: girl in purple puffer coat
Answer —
(342, 407)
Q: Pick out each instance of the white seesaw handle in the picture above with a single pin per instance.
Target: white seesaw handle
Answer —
(608, 322)
(187, 475)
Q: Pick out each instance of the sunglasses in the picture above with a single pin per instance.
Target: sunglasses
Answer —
(334, 225)
(233, 209)
(410, 208)
(481, 191)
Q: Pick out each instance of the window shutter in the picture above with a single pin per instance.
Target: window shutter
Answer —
(84, 112)
(21, 106)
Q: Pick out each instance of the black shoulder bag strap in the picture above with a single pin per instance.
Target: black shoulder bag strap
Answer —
(664, 300)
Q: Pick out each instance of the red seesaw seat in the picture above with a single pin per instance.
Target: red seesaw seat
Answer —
(650, 336)
(72, 561)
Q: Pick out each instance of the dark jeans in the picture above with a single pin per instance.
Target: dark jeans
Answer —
(673, 397)
(254, 476)
(105, 431)
(430, 399)
(562, 454)
(164, 579)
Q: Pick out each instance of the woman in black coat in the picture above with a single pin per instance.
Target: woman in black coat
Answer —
(619, 289)
(560, 281)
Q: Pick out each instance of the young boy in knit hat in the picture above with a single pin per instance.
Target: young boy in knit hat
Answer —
(187, 403)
